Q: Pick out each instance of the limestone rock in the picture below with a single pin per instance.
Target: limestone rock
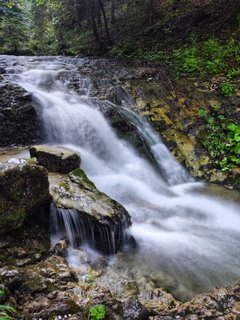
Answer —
(220, 303)
(98, 219)
(18, 117)
(55, 159)
(23, 188)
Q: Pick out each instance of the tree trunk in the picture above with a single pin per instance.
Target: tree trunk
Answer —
(105, 22)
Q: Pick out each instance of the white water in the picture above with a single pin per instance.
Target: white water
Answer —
(190, 239)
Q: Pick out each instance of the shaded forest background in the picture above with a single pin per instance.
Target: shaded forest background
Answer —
(112, 27)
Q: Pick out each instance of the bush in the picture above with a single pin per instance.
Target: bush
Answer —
(190, 65)
(215, 66)
(212, 50)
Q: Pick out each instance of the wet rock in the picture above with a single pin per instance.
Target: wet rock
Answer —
(18, 117)
(23, 189)
(220, 303)
(100, 221)
(134, 310)
(55, 159)
(61, 248)
(161, 301)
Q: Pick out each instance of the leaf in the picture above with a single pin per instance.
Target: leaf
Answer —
(230, 135)
(237, 149)
(210, 120)
(237, 137)
(232, 126)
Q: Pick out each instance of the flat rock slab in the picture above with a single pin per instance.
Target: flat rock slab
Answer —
(55, 159)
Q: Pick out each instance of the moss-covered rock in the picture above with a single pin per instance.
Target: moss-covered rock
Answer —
(23, 189)
(55, 159)
(95, 212)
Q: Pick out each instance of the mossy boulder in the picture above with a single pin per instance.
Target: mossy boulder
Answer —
(102, 220)
(23, 189)
(55, 159)
(18, 117)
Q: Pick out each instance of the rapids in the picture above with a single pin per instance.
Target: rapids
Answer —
(188, 238)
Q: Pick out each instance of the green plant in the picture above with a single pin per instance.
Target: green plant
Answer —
(202, 113)
(221, 140)
(97, 312)
(212, 49)
(190, 64)
(215, 66)
(234, 73)
(226, 88)
(6, 312)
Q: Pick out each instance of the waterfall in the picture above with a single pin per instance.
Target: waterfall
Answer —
(79, 230)
(173, 172)
(187, 236)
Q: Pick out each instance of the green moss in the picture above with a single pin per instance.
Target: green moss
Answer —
(79, 176)
(65, 185)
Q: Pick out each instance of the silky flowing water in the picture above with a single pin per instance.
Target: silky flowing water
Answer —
(188, 238)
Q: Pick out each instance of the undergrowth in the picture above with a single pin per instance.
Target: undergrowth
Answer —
(221, 138)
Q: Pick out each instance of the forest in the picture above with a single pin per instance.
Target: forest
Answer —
(94, 27)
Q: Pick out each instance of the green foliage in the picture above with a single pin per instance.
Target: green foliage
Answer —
(221, 140)
(227, 89)
(189, 60)
(190, 65)
(210, 57)
(212, 50)
(215, 66)
(6, 312)
(202, 113)
(233, 73)
(97, 312)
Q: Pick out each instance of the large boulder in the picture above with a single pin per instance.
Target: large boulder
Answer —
(18, 117)
(23, 188)
(55, 159)
(82, 213)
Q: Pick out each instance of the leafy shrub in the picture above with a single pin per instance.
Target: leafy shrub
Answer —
(97, 312)
(190, 65)
(215, 66)
(221, 140)
(226, 88)
(234, 73)
(212, 50)
(202, 113)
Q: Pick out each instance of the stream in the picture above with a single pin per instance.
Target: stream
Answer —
(188, 237)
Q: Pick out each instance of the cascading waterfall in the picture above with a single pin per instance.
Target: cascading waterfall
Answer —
(188, 238)
(173, 172)
(79, 230)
